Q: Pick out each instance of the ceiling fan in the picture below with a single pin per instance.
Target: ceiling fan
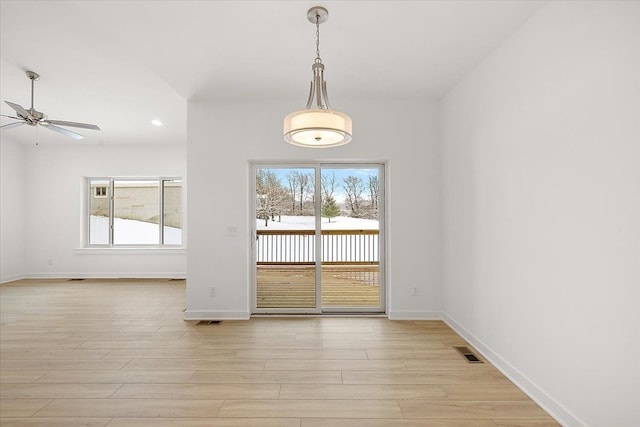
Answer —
(32, 117)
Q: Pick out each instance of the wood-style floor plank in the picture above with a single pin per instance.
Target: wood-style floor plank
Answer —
(335, 365)
(210, 364)
(301, 354)
(503, 392)
(311, 422)
(56, 391)
(117, 353)
(418, 377)
(116, 377)
(54, 422)
(42, 354)
(525, 423)
(311, 408)
(205, 422)
(20, 377)
(170, 353)
(134, 408)
(60, 364)
(371, 392)
(198, 391)
(471, 410)
(267, 377)
(21, 407)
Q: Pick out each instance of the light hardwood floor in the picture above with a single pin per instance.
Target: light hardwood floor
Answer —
(117, 353)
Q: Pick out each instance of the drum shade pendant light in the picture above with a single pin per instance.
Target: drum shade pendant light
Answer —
(318, 126)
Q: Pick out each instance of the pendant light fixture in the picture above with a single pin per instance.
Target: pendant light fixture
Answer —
(318, 126)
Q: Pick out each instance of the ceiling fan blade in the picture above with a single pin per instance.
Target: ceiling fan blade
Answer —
(11, 117)
(62, 131)
(21, 111)
(72, 124)
(12, 125)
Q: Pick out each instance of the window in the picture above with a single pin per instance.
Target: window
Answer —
(100, 192)
(135, 211)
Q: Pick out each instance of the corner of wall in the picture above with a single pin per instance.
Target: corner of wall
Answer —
(11, 278)
(12, 210)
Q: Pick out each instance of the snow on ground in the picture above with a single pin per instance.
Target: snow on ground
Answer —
(308, 223)
(130, 232)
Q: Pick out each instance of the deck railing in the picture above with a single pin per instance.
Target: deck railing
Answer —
(347, 247)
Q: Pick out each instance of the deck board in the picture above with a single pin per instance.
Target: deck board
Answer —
(293, 286)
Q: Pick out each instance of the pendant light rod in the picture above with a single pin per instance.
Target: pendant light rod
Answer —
(318, 89)
(318, 36)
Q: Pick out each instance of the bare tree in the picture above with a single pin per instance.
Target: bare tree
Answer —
(270, 195)
(311, 188)
(329, 185)
(374, 187)
(304, 183)
(292, 179)
(353, 188)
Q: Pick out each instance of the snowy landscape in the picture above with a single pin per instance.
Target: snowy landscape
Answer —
(289, 222)
(130, 232)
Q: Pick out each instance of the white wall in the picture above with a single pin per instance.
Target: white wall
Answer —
(541, 161)
(12, 205)
(224, 137)
(54, 182)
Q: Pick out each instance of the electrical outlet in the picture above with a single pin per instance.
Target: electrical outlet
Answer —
(212, 291)
(50, 262)
(415, 291)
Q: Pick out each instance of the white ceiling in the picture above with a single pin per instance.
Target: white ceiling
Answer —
(121, 64)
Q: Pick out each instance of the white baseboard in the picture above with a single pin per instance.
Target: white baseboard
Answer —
(11, 278)
(109, 275)
(216, 315)
(415, 315)
(537, 394)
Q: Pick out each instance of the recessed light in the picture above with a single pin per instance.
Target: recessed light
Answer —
(156, 122)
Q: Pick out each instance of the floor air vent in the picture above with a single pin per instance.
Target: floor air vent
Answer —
(75, 280)
(209, 322)
(468, 354)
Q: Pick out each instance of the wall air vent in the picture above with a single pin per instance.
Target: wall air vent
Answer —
(468, 355)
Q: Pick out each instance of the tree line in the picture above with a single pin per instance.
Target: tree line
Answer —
(296, 196)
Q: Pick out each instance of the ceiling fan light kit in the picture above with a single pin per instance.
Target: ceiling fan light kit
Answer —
(317, 126)
(32, 117)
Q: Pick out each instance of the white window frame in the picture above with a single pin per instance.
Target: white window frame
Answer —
(110, 188)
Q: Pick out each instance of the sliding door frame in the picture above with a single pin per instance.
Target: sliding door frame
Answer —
(382, 283)
(317, 167)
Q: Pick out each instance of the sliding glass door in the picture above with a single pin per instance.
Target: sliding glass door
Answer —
(350, 231)
(285, 246)
(318, 243)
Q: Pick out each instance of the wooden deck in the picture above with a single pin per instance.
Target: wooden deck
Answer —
(293, 286)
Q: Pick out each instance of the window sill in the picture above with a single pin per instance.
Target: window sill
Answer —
(131, 250)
